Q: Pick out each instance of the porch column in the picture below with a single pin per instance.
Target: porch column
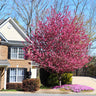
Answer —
(33, 70)
(5, 77)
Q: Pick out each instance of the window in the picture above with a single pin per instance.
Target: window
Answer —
(16, 75)
(17, 53)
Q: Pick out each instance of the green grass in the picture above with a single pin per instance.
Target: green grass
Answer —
(87, 91)
(62, 89)
(44, 87)
(13, 90)
(9, 90)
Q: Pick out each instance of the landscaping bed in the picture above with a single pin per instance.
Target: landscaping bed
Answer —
(74, 88)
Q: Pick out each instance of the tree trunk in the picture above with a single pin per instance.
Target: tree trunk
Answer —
(60, 83)
(77, 72)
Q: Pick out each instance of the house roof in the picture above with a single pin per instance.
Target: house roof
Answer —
(1, 21)
(10, 31)
(4, 63)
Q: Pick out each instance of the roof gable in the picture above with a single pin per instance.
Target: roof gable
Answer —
(11, 31)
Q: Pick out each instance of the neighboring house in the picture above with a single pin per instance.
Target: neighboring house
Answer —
(13, 67)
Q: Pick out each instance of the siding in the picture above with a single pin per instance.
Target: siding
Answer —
(10, 32)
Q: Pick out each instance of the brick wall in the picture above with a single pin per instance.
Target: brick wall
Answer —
(13, 63)
(3, 52)
(20, 64)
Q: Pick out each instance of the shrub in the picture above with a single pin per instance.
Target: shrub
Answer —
(31, 85)
(53, 79)
(66, 78)
(17, 86)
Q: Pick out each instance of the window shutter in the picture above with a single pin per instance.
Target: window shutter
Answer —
(25, 73)
(9, 53)
(8, 70)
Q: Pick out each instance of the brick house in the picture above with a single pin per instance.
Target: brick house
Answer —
(13, 67)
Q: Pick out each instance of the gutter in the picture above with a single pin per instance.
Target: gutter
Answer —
(3, 37)
(14, 44)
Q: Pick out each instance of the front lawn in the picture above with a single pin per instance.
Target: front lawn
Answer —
(13, 90)
(44, 87)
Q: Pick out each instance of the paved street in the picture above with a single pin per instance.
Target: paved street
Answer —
(2, 94)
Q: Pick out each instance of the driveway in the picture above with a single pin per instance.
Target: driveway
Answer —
(88, 81)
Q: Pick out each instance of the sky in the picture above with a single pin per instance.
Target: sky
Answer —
(10, 5)
(89, 10)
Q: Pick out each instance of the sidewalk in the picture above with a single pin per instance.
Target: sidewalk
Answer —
(41, 91)
(52, 91)
(46, 91)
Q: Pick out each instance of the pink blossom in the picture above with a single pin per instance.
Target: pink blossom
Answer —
(75, 87)
(59, 44)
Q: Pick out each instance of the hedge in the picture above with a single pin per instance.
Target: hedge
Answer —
(31, 85)
(17, 86)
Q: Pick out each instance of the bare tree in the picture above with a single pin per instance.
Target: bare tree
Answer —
(79, 6)
(85, 10)
(2, 7)
(91, 26)
(30, 11)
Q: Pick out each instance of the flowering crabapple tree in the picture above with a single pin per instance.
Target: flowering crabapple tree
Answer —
(59, 43)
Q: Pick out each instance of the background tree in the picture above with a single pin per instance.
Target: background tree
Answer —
(2, 7)
(59, 44)
(17, 22)
(91, 27)
(89, 69)
(30, 11)
(2, 4)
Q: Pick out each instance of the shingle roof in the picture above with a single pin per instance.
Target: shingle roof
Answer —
(1, 21)
(4, 63)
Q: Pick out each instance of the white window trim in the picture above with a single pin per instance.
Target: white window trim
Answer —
(17, 53)
(15, 75)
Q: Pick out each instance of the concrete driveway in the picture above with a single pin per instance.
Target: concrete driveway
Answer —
(88, 81)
